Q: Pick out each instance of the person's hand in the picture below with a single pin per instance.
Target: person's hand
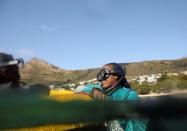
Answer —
(98, 95)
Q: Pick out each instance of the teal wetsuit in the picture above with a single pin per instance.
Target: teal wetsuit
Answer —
(121, 94)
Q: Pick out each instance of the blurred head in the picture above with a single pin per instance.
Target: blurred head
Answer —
(110, 75)
(9, 70)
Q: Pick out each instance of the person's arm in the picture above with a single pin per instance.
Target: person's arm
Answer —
(93, 90)
(98, 95)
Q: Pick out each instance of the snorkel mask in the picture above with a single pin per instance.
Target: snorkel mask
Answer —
(19, 62)
(105, 73)
(113, 69)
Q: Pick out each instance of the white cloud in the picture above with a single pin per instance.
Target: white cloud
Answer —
(26, 53)
(44, 27)
(20, 53)
(8, 51)
(29, 26)
(1, 49)
(50, 28)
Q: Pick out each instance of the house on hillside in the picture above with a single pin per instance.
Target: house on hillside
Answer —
(152, 78)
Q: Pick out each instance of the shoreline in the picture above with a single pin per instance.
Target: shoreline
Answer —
(177, 92)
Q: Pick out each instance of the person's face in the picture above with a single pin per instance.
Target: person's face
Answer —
(110, 81)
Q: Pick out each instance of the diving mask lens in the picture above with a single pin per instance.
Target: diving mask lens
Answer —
(103, 75)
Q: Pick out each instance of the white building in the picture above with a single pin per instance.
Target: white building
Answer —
(153, 78)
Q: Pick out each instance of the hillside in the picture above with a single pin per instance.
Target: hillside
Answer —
(39, 71)
(159, 66)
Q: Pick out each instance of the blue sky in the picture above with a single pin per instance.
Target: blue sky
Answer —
(80, 34)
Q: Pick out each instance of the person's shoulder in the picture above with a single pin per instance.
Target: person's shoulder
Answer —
(133, 95)
(130, 93)
(121, 93)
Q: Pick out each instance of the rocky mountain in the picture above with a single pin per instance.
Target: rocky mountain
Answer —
(40, 71)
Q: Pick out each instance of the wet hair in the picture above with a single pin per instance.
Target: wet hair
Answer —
(11, 72)
(120, 72)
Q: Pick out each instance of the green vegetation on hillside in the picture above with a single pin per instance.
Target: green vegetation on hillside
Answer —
(37, 71)
(166, 84)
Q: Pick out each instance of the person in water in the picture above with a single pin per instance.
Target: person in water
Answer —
(9, 71)
(10, 76)
(114, 87)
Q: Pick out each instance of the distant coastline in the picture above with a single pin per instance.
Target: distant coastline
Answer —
(176, 92)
